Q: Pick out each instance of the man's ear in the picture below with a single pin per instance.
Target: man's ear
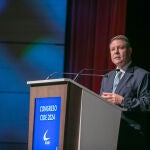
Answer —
(130, 49)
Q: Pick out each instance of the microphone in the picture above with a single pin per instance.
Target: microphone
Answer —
(66, 73)
(88, 69)
(55, 73)
(80, 73)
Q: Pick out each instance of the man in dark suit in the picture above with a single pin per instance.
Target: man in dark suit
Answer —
(128, 86)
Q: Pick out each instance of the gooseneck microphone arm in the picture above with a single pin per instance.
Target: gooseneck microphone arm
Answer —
(55, 73)
(80, 73)
(88, 69)
(85, 74)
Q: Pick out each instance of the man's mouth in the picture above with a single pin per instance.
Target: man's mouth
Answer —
(117, 57)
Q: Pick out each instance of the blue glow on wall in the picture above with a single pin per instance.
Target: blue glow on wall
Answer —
(2, 6)
(32, 35)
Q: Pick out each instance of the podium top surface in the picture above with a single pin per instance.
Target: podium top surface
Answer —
(49, 81)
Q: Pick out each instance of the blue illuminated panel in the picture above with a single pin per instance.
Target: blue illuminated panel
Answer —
(46, 123)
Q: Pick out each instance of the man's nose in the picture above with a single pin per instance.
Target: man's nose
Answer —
(116, 50)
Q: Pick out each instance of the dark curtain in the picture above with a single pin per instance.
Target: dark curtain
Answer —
(91, 23)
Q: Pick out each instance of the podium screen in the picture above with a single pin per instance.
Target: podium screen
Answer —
(46, 123)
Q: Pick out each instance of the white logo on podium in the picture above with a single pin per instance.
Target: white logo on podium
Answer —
(45, 138)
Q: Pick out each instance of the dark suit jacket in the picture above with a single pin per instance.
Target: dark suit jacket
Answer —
(134, 86)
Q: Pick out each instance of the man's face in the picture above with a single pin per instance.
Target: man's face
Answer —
(120, 53)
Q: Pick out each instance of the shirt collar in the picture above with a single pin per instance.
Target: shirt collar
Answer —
(125, 67)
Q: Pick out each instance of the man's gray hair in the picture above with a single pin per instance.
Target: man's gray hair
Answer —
(121, 37)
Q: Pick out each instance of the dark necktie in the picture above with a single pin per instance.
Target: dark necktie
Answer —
(116, 80)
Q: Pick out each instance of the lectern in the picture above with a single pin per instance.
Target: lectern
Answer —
(64, 115)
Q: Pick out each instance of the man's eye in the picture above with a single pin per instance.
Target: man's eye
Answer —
(112, 49)
(122, 47)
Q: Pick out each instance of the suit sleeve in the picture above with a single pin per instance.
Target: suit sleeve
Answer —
(142, 100)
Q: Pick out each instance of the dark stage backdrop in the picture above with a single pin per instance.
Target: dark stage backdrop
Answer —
(138, 31)
(32, 36)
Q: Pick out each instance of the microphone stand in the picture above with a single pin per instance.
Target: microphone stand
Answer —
(88, 69)
(77, 74)
(55, 73)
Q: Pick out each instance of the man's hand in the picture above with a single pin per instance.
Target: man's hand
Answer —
(112, 97)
